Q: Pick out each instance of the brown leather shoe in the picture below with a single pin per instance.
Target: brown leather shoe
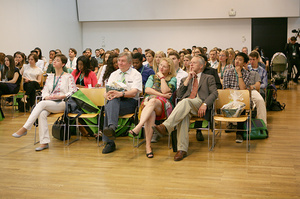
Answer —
(180, 155)
(161, 130)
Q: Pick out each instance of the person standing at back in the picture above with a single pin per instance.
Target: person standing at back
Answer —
(293, 55)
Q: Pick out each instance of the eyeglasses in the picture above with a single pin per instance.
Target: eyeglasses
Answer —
(222, 55)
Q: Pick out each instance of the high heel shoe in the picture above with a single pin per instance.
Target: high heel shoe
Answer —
(150, 155)
(18, 136)
(133, 133)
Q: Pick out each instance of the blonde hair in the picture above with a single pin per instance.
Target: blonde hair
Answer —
(172, 72)
(227, 60)
(155, 65)
(231, 51)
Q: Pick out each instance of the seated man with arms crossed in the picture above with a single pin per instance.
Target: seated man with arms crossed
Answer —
(199, 91)
(120, 103)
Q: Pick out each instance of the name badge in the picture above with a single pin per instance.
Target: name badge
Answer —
(130, 82)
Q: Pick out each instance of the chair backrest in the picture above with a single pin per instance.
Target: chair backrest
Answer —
(224, 98)
(95, 95)
(21, 85)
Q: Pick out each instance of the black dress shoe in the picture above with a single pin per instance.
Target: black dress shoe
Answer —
(199, 136)
(109, 147)
(110, 133)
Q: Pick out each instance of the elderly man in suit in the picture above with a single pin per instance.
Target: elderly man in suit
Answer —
(199, 92)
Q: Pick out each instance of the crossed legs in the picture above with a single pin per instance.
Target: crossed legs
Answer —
(148, 115)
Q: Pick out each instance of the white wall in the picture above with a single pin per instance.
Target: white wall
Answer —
(52, 24)
(48, 24)
(159, 35)
(120, 10)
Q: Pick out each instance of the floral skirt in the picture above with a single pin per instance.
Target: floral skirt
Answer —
(167, 107)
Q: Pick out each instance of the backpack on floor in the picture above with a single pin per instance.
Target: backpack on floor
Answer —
(258, 130)
(272, 103)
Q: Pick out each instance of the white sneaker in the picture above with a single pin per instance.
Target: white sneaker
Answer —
(239, 138)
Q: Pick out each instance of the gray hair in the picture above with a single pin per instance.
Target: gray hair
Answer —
(127, 55)
(201, 60)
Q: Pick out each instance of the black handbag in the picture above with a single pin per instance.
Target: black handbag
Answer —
(58, 129)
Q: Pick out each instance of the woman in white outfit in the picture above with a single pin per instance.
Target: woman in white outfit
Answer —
(57, 87)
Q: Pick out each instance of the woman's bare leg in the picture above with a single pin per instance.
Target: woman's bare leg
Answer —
(152, 105)
(149, 132)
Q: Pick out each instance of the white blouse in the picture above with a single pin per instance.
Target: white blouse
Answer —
(32, 73)
(65, 85)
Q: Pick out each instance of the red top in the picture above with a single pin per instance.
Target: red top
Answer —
(90, 79)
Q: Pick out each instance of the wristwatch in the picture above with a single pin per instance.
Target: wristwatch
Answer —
(204, 104)
(123, 93)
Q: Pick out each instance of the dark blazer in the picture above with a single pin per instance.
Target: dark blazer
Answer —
(288, 50)
(207, 89)
(211, 71)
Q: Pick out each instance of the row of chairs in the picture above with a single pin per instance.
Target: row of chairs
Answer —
(96, 96)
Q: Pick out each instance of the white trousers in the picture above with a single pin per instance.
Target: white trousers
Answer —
(41, 111)
(260, 105)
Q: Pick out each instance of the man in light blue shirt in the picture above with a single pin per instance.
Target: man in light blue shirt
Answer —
(253, 66)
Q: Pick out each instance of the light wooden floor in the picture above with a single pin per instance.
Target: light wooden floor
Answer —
(270, 170)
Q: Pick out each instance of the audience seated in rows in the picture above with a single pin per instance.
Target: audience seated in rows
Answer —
(134, 74)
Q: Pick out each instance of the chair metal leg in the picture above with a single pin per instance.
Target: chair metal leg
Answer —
(137, 144)
(77, 134)
(208, 126)
(35, 142)
(169, 140)
(248, 134)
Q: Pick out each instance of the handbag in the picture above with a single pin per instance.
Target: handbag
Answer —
(58, 129)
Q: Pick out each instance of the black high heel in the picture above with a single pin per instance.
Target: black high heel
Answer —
(150, 155)
(133, 133)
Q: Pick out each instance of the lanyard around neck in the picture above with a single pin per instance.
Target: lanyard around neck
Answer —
(222, 71)
(55, 84)
(237, 78)
(81, 78)
(142, 69)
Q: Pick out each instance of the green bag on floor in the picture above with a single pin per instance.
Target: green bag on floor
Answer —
(258, 130)
(1, 115)
(124, 125)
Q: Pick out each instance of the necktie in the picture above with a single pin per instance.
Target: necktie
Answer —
(123, 78)
(194, 89)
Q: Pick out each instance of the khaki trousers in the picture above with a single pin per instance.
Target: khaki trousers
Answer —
(180, 117)
(260, 105)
